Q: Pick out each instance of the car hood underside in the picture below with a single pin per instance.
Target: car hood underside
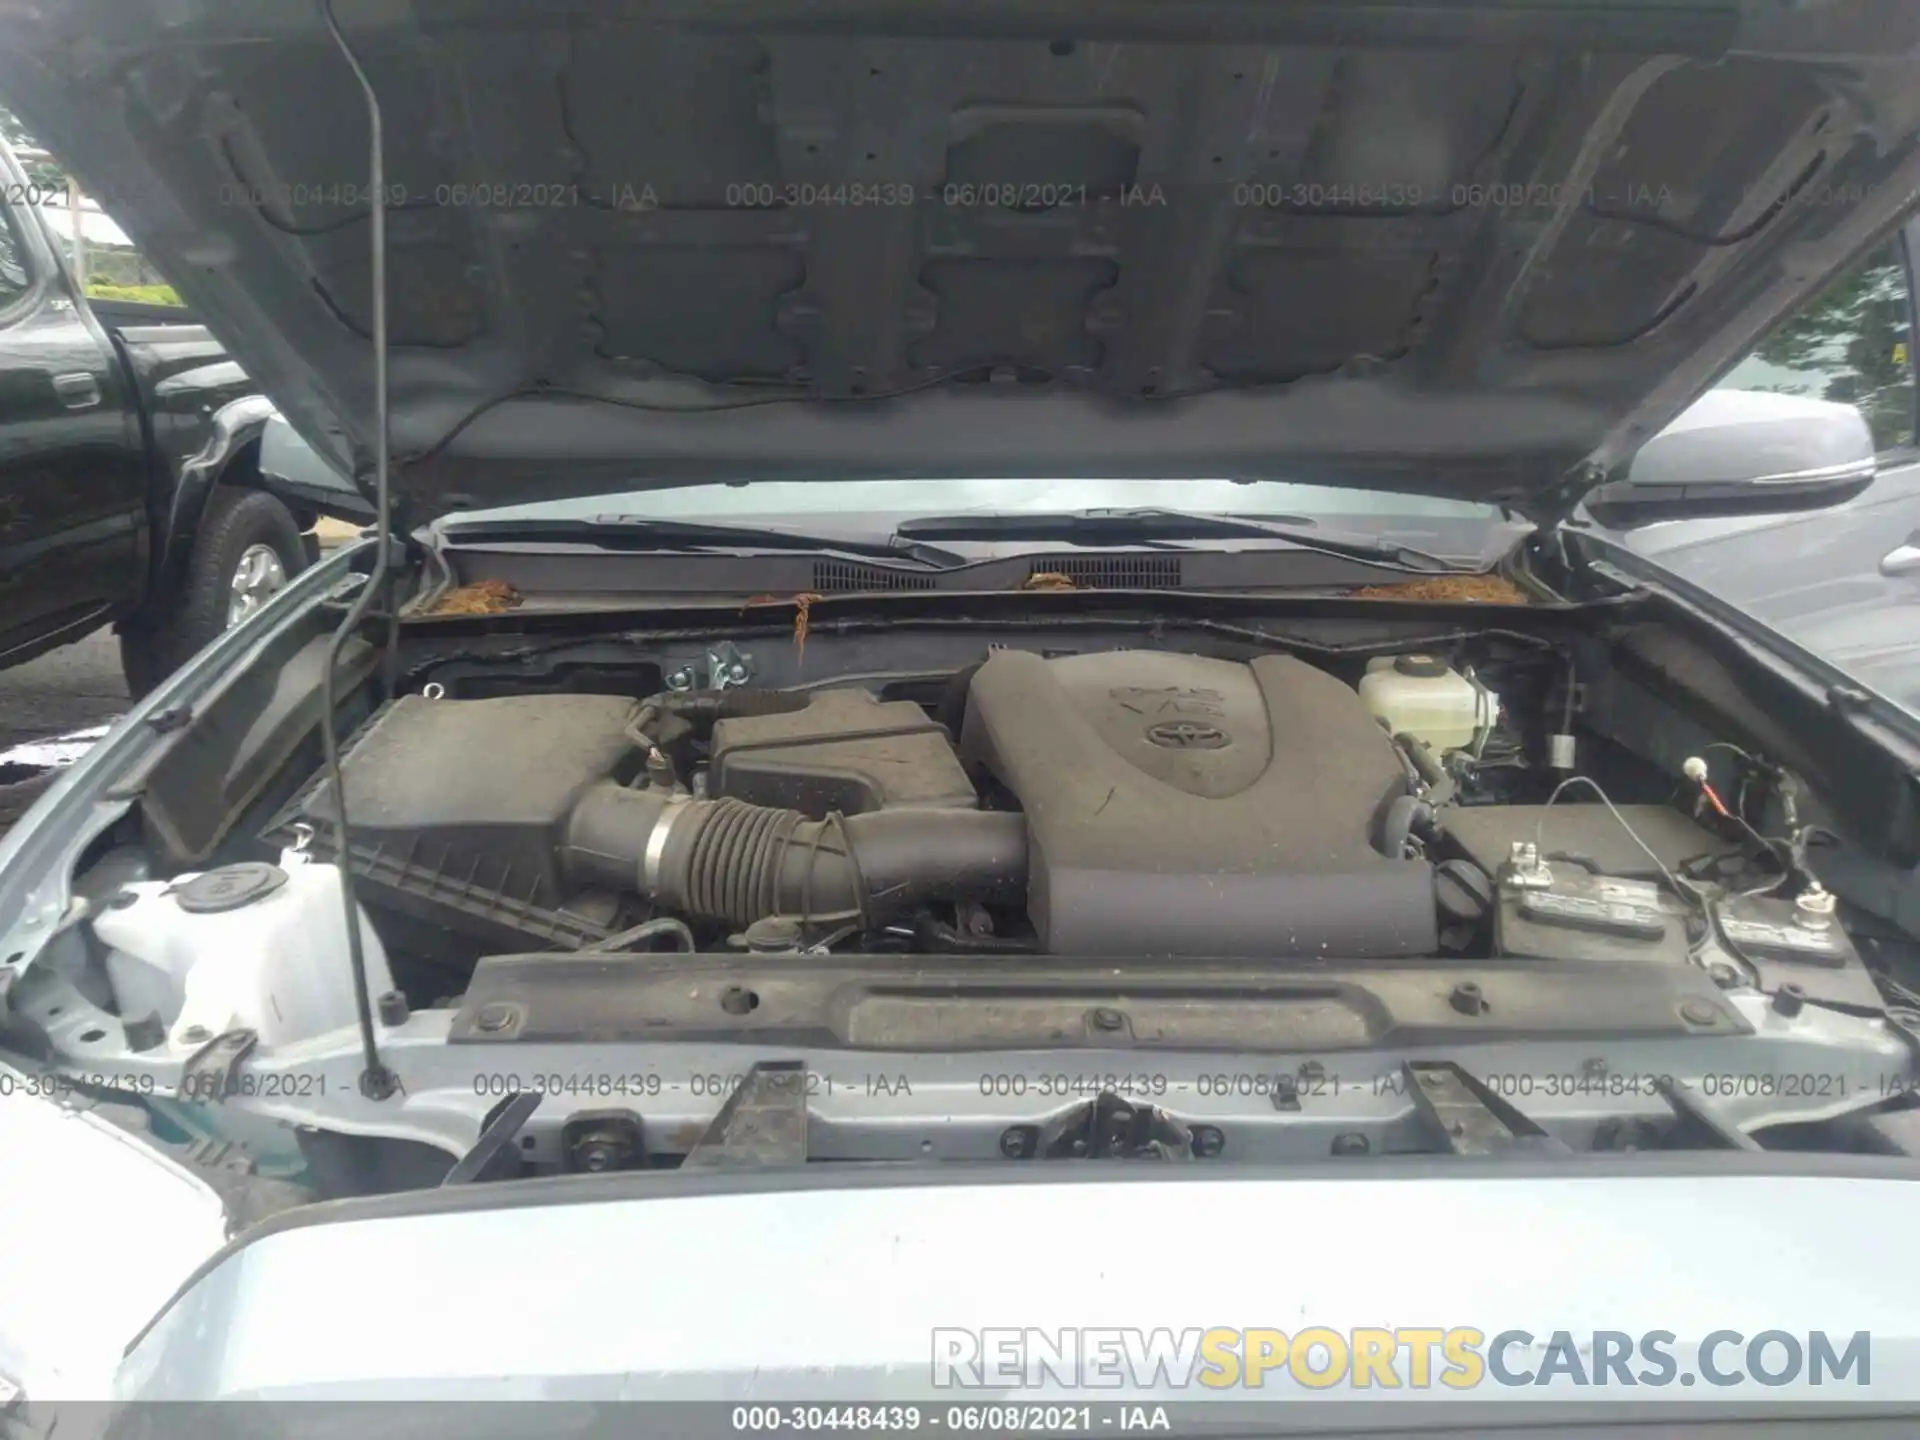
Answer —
(1470, 250)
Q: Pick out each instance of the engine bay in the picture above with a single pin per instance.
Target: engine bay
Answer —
(1117, 803)
(1243, 885)
(1129, 804)
(1132, 803)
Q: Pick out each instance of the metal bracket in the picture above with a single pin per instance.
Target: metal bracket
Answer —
(1525, 869)
(1469, 1119)
(209, 1072)
(764, 1122)
(727, 666)
(495, 1155)
(1111, 1128)
(1698, 1116)
(343, 587)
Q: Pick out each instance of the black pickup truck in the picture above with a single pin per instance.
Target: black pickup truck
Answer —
(130, 487)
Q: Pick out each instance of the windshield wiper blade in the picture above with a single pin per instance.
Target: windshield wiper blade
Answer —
(1103, 527)
(643, 532)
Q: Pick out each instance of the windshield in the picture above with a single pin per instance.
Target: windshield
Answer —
(1343, 507)
(1005, 517)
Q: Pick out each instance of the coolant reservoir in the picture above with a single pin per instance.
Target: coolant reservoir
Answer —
(1423, 696)
(245, 947)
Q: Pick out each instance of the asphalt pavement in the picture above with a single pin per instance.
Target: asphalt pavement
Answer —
(72, 688)
(66, 689)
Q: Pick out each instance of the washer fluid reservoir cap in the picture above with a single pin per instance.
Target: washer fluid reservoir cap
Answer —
(228, 888)
(1423, 666)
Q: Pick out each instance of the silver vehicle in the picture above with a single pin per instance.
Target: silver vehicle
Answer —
(994, 741)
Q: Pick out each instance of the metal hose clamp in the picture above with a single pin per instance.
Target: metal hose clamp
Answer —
(656, 848)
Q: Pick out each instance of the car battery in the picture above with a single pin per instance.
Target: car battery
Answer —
(1563, 911)
(1800, 943)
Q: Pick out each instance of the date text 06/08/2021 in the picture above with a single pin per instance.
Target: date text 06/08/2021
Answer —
(1306, 1082)
(1000, 1418)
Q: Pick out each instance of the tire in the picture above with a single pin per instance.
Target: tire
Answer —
(236, 523)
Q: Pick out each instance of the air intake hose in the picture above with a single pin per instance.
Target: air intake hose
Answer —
(733, 862)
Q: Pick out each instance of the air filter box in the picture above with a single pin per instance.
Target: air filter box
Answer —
(844, 751)
(456, 807)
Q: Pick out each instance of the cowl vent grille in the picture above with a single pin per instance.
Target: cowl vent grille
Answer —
(840, 576)
(1116, 572)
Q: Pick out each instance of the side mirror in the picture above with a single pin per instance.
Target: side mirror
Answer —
(1742, 452)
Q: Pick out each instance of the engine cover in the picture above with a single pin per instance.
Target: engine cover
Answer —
(1183, 806)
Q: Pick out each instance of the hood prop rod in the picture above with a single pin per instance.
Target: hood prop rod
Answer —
(377, 1082)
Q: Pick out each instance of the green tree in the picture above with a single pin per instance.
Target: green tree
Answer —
(43, 173)
(1852, 343)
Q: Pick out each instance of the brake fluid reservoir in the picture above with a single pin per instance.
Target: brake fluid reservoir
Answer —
(1423, 696)
(245, 947)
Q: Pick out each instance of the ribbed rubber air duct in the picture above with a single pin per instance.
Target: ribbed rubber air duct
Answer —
(729, 861)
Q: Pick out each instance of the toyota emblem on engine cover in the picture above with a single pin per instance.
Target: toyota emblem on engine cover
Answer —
(1187, 735)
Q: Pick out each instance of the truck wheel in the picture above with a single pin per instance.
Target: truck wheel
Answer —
(249, 546)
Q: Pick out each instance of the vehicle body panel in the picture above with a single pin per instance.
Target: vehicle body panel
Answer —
(1573, 221)
(187, 385)
(295, 469)
(105, 1234)
(759, 1268)
(73, 469)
